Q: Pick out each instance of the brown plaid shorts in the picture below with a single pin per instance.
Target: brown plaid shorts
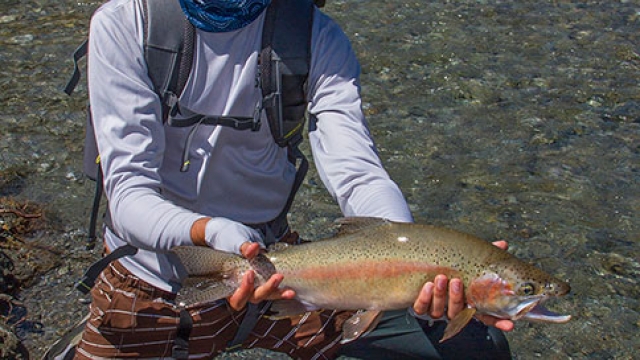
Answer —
(131, 319)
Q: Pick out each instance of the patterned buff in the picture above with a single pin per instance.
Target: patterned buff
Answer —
(222, 15)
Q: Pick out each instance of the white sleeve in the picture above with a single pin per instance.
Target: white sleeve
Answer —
(343, 149)
(130, 134)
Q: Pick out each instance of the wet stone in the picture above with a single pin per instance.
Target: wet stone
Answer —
(471, 103)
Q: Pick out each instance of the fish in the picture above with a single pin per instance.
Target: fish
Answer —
(374, 265)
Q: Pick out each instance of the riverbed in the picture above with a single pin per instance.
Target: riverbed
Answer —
(509, 120)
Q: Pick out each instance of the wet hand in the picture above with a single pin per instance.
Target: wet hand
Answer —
(247, 292)
(442, 296)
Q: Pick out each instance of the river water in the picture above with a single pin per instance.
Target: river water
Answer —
(516, 120)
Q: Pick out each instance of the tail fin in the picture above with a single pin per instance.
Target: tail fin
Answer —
(208, 279)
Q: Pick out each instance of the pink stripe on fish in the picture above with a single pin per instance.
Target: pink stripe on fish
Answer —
(377, 269)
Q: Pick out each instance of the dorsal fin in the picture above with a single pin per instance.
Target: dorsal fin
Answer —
(350, 225)
(279, 246)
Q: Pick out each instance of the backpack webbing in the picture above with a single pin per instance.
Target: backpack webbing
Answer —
(168, 49)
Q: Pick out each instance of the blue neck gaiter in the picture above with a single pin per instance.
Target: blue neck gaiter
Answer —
(222, 15)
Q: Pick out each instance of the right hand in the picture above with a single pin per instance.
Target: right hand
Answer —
(247, 292)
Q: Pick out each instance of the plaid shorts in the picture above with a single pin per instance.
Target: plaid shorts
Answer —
(131, 319)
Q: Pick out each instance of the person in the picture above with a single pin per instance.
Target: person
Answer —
(236, 182)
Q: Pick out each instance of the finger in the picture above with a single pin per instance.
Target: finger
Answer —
(502, 324)
(439, 297)
(423, 302)
(286, 294)
(501, 244)
(239, 298)
(271, 290)
(281, 293)
(265, 291)
(249, 249)
(456, 298)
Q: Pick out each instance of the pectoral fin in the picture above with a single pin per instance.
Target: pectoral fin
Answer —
(458, 323)
(282, 309)
(200, 290)
(360, 324)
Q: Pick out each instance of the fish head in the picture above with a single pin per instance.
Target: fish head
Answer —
(515, 290)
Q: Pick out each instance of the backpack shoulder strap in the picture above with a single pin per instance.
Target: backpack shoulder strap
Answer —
(168, 49)
(284, 67)
(285, 60)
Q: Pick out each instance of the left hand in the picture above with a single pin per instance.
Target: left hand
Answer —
(433, 299)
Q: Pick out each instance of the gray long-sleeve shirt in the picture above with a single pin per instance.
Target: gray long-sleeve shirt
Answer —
(240, 175)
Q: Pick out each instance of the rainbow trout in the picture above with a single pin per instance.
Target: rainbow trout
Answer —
(377, 265)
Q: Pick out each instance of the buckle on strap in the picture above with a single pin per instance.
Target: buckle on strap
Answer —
(171, 101)
(179, 352)
(257, 112)
(180, 349)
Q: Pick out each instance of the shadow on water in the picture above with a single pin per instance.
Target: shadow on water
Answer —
(509, 120)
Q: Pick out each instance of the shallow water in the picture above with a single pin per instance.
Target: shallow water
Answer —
(508, 120)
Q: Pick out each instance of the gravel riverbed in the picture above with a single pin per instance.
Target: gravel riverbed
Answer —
(516, 120)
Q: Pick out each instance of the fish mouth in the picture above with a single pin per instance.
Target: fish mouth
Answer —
(541, 314)
(523, 305)
(531, 308)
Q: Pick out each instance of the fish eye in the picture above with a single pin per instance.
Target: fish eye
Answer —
(528, 288)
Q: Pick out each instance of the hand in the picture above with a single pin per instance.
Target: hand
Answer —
(433, 298)
(228, 235)
(268, 291)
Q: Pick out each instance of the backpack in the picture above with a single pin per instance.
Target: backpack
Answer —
(283, 70)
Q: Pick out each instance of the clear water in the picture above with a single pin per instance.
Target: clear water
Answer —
(508, 120)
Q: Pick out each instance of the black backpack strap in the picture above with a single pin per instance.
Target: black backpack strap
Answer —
(280, 225)
(180, 348)
(89, 279)
(168, 46)
(252, 314)
(168, 50)
(284, 67)
(189, 118)
(95, 210)
(80, 52)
